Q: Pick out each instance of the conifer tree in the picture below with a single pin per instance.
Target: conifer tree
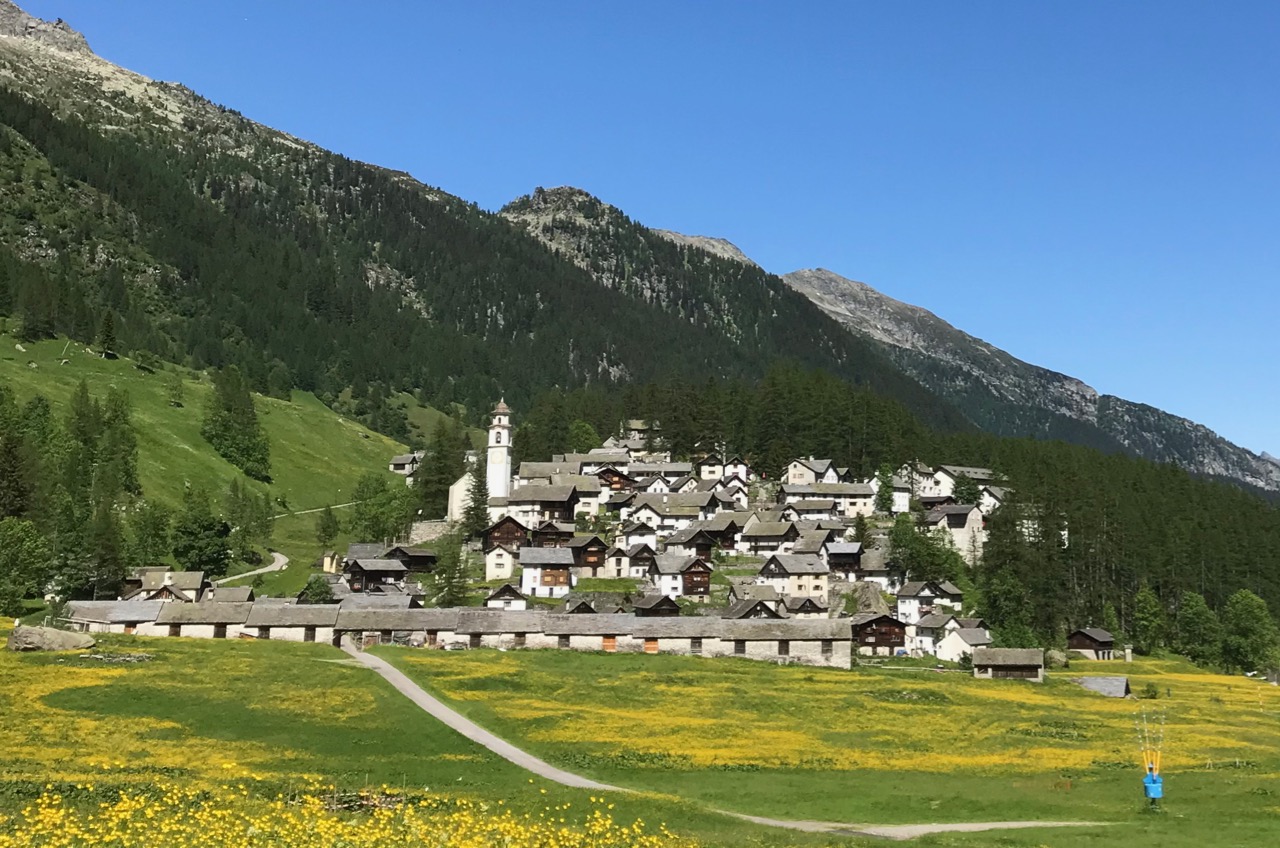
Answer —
(200, 537)
(477, 514)
(327, 526)
(967, 490)
(1250, 638)
(107, 334)
(1199, 632)
(884, 494)
(231, 425)
(1148, 621)
(149, 533)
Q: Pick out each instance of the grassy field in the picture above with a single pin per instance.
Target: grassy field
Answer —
(272, 717)
(316, 455)
(886, 746)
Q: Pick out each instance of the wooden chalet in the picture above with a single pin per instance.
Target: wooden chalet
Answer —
(416, 560)
(693, 541)
(750, 608)
(506, 531)
(364, 574)
(652, 606)
(613, 480)
(588, 555)
(1093, 642)
(552, 534)
(878, 634)
(845, 559)
(1009, 664)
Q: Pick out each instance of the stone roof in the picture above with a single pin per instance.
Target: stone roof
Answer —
(389, 566)
(506, 590)
(974, 636)
(934, 620)
(493, 621)
(740, 608)
(188, 581)
(1008, 656)
(768, 530)
(979, 474)
(675, 563)
(536, 493)
(799, 563)
(228, 594)
(292, 615)
(912, 589)
(1097, 634)
(204, 613)
(825, 504)
(1112, 687)
(794, 629)
(545, 556)
(114, 612)
(608, 624)
(844, 548)
(939, 513)
(395, 619)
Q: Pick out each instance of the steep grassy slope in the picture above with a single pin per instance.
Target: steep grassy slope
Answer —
(316, 456)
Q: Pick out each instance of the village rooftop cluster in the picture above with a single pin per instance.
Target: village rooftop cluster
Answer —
(667, 527)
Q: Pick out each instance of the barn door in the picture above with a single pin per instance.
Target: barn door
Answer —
(611, 643)
(651, 646)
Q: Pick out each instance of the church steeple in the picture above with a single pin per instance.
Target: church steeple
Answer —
(498, 472)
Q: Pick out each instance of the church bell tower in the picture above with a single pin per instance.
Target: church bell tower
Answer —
(498, 474)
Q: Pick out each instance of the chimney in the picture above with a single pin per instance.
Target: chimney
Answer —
(168, 578)
(1128, 653)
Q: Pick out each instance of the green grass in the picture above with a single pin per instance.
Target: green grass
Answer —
(606, 584)
(316, 456)
(786, 742)
(271, 715)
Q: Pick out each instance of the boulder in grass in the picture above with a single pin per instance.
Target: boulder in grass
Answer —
(47, 639)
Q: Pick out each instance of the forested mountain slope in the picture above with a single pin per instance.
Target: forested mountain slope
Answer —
(215, 240)
(1007, 396)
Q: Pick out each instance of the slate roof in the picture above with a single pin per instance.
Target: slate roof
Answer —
(545, 470)
(368, 600)
(979, 474)
(1112, 687)
(739, 609)
(583, 541)
(206, 613)
(844, 548)
(651, 601)
(365, 550)
(798, 604)
(662, 469)
(912, 589)
(675, 627)
(537, 493)
(114, 612)
(792, 629)
(395, 619)
(637, 550)
(545, 556)
(974, 636)
(687, 535)
(506, 590)
(756, 592)
(1097, 634)
(292, 615)
(188, 581)
(380, 566)
(860, 618)
(675, 563)
(1008, 656)
(228, 594)
(825, 504)
(940, 513)
(799, 563)
(934, 620)
(768, 530)
(493, 621)
(609, 624)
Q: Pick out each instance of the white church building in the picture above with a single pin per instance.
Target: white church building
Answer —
(497, 469)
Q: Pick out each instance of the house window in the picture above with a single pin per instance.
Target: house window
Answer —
(308, 634)
(175, 629)
(219, 631)
(695, 646)
(827, 648)
(740, 647)
(784, 648)
(563, 642)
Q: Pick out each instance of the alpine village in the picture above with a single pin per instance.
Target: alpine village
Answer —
(337, 511)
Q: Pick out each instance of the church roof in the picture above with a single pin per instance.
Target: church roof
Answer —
(502, 408)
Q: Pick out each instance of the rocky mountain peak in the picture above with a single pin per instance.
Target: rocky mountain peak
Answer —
(16, 23)
(723, 248)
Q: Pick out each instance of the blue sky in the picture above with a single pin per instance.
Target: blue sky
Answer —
(1092, 186)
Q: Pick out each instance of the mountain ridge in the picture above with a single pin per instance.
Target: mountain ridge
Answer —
(959, 366)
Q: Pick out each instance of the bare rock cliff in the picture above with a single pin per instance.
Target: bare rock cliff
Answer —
(15, 23)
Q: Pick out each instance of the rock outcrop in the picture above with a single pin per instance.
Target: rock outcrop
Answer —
(47, 639)
(15, 23)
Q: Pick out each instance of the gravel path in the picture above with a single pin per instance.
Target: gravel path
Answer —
(278, 562)
(468, 728)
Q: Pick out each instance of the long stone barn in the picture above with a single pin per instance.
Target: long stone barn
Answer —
(822, 642)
